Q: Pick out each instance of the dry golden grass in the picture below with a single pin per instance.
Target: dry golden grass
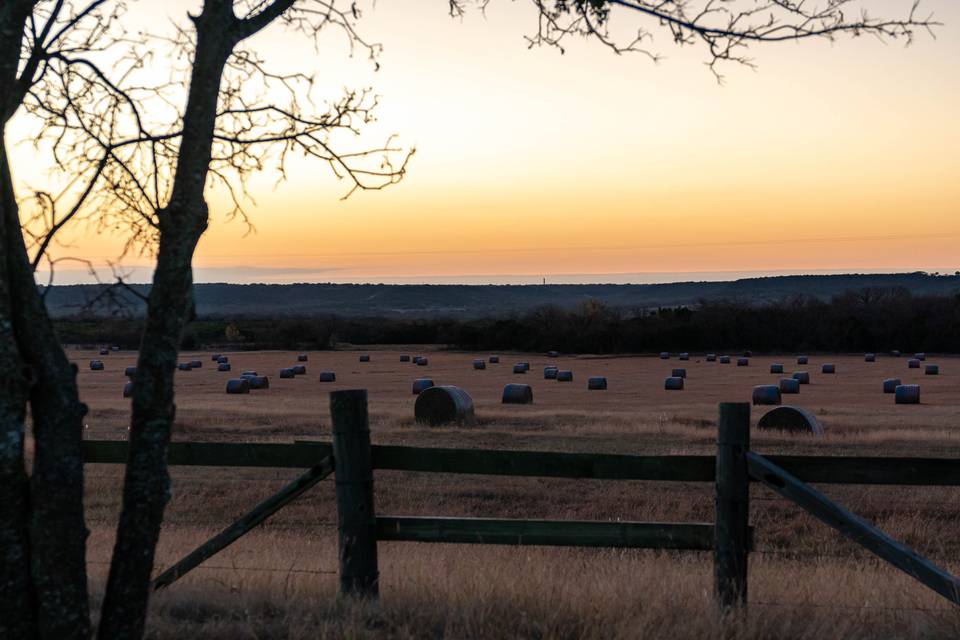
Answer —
(280, 581)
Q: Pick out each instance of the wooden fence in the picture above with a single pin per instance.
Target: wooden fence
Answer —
(352, 459)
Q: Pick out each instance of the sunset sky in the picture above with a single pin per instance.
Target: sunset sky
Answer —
(589, 166)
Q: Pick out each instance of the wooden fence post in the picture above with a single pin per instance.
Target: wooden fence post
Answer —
(353, 471)
(731, 528)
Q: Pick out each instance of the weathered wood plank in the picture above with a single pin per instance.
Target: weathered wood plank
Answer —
(732, 501)
(249, 520)
(639, 535)
(854, 527)
(871, 470)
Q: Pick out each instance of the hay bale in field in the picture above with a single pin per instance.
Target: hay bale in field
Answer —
(920, 356)
(550, 373)
(479, 364)
(673, 384)
(299, 369)
(364, 358)
(184, 366)
(287, 373)
(747, 354)
(664, 355)
(895, 353)
(564, 375)
(869, 357)
(444, 404)
(195, 364)
(792, 419)
(404, 358)
(776, 367)
(519, 368)
(248, 372)
(328, 376)
(215, 357)
(223, 360)
(238, 385)
(890, 385)
(711, 357)
(802, 359)
(766, 394)
(526, 365)
(127, 389)
(223, 366)
(789, 385)
(803, 377)
(724, 359)
(420, 384)
(258, 382)
(517, 394)
(302, 357)
(597, 383)
(931, 370)
(130, 372)
(828, 368)
(679, 373)
(743, 362)
(494, 359)
(104, 351)
(115, 347)
(684, 356)
(913, 363)
(422, 361)
(553, 354)
(907, 394)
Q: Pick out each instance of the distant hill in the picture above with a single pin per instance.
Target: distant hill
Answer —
(470, 301)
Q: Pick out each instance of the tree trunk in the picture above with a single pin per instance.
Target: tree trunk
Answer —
(17, 614)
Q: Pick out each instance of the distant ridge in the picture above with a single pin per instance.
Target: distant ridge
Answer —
(467, 301)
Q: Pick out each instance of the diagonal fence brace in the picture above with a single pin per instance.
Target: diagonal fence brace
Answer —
(247, 522)
(854, 527)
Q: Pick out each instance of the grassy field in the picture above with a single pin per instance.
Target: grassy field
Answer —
(280, 580)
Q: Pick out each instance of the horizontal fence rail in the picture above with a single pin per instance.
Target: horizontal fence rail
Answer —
(563, 533)
(600, 466)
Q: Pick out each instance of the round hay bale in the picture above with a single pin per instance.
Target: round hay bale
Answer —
(404, 358)
(907, 394)
(743, 362)
(711, 357)
(803, 377)
(130, 372)
(479, 364)
(96, 365)
(421, 384)
(223, 366)
(724, 359)
(931, 370)
(328, 376)
(673, 384)
(664, 355)
(747, 354)
(766, 394)
(422, 361)
(913, 363)
(684, 356)
(364, 358)
(519, 368)
(679, 373)
(248, 372)
(828, 368)
(553, 354)
(215, 357)
(196, 364)
(258, 382)
(789, 385)
(127, 389)
(890, 385)
(597, 383)
(550, 373)
(802, 359)
(920, 356)
(299, 369)
(792, 419)
(895, 353)
(444, 404)
(776, 367)
(301, 357)
(526, 365)
(517, 394)
(184, 366)
(494, 359)
(115, 347)
(564, 375)
(238, 385)
(287, 373)
(223, 360)
(869, 357)
(104, 351)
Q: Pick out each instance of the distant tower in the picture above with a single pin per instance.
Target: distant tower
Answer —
(544, 280)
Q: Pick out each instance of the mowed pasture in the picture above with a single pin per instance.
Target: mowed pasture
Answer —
(280, 580)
